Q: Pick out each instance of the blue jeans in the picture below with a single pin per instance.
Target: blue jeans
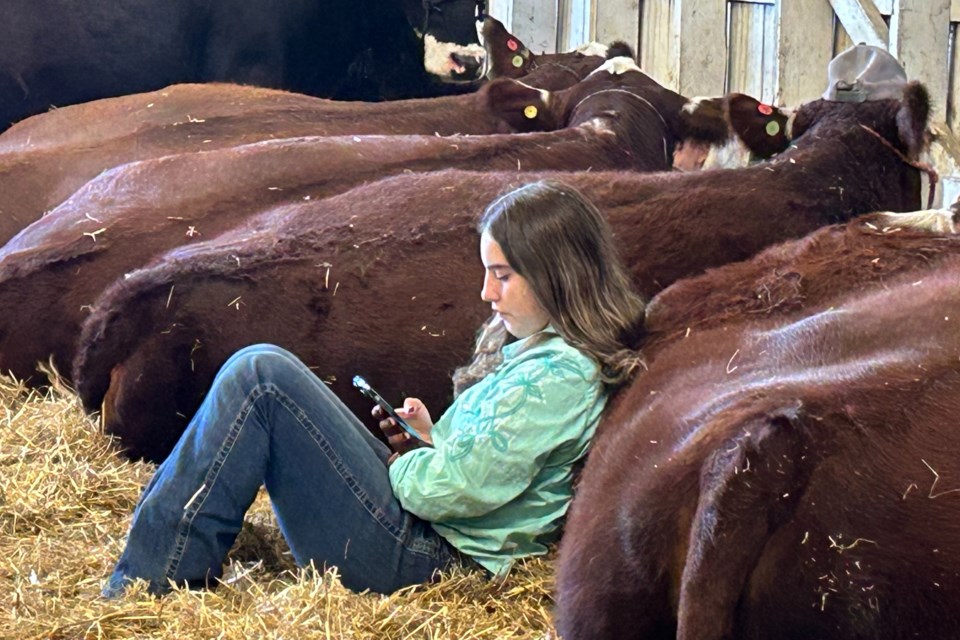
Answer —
(268, 420)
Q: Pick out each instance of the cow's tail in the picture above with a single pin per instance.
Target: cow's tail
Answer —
(749, 487)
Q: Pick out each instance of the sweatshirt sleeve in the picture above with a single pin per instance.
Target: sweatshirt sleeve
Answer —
(495, 445)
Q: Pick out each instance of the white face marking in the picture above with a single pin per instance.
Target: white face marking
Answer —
(788, 129)
(932, 220)
(694, 103)
(544, 94)
(731, 155)
(617, 66)
(437, 60)
(693, 156)
(593, 49)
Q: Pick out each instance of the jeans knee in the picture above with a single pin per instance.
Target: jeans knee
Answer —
(265, 362)
(261, 349)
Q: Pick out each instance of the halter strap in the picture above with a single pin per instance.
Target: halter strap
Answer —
(538, 65)
(921, 166)
(641, 99)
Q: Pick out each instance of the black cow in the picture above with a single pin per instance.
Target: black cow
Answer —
(54, 52)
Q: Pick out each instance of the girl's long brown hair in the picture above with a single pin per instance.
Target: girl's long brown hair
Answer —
(557, 240)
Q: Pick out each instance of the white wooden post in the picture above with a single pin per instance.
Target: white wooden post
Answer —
(616, 20)
(502, 10)
(953, 116)
(655, 52)
(919, 30)
(863, 21)
(575, 24)
(806, 47)
(535, 22)
(699, 33)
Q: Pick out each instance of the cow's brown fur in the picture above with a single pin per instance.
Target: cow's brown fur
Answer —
(821, 269)
(126, 216)
(808, 446)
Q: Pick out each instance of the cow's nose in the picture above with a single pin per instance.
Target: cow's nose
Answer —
(466, 66)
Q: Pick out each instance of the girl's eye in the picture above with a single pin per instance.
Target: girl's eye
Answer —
(503, 278)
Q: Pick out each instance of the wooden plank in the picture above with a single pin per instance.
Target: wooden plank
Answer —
(862, 21)
(654, 50)
(617, 20)
(745, 58)
(885, 7)
(919, 31)
(944, 156)
(953, 100)
(502, 10)
(841, 39)
(805, 49)
(575, 18)
(535, 22)
(770, 18)
(698, 30)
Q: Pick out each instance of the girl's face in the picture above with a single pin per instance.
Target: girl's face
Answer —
(509, 293)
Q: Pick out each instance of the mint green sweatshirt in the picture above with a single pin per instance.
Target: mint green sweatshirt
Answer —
(497, 485)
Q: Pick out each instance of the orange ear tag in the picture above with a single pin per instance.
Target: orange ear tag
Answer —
(530, 112)
(512, 45)
(517, 61)
(773, 128)
(765, 109)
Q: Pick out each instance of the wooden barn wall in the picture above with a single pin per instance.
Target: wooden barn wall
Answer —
(763, 47)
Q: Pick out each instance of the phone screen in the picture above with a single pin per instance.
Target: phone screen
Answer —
(368, 391)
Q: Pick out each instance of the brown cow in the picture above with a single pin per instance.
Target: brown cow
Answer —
(775, 472)
(375, 289)
(47, 157)
(126, 216)
(508, 57)
(792, 277)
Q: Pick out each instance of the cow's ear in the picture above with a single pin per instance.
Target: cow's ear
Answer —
(522, 107)
(619, 48)
(913, 117)
(761, 127)
(507, 56)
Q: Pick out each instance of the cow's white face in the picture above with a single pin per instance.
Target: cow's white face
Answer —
(452, 61)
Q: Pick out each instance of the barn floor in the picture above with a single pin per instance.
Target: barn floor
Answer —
(65, 503)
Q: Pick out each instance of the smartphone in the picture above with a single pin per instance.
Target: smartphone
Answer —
(368, 391)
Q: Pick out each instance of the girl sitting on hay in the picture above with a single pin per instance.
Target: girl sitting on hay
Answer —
(493, 478)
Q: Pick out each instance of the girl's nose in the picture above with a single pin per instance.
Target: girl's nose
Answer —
(490, 290)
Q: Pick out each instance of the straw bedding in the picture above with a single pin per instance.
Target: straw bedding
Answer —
(65, 505)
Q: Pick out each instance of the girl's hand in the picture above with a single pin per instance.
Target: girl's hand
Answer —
(415, 414)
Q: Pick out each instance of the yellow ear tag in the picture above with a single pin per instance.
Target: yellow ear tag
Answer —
(773, 128)
(530, 111)
(518, 61)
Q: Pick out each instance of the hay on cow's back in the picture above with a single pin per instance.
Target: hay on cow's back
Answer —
(65, 505)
